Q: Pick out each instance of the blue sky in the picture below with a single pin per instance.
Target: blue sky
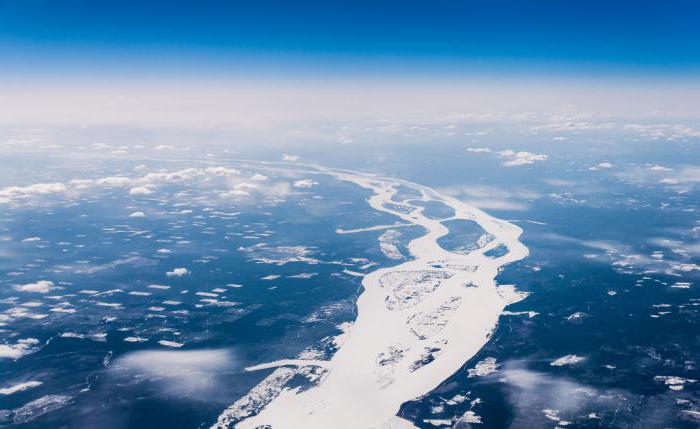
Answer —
(349, 37)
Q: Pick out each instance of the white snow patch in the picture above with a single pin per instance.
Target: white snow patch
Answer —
(484, 367)
(19, 387)
(567, 360)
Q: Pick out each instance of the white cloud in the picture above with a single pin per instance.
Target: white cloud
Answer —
(680, 175)
(20, 348)
(176, 371)
(688, 174)
(601, 166)
(479, 149)
(493, 197)
(177, 272)
(175, 176)
(11, 192)
(234, 193)
(305, 183)
(246, 186)
(625, 258)
(38, 407)
(117, 181)
(42, 286)
(170, 363)
(138, 214)
(222, 171)
(268, 107)
(141, 190)
(276, 190)
(514, 158)
(498, 204)
(540, 399)
(292, 158)
(663, 131)
(574, 126)
(280, 255)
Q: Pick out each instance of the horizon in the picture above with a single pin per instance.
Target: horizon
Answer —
(621, 59)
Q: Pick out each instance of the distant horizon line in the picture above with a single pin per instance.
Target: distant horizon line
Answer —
(332, 66)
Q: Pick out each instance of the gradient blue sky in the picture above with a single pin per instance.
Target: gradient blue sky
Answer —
(50, 37)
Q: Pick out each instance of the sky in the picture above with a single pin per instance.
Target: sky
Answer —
(337, 38)
(261, 62)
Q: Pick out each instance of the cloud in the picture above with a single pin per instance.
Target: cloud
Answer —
(493, 197)
(39, 407)
(117, 181)
(20, 348)
(141, 190)
(561, 182)
(280, 255)
(234, 193)
(539, 399)
(688, 174)
(514, 158)
(663, 131)
(42, 286)
(177, 272)
(289, 158)
(574, 126)
(139, 185)
(305, 183)
(276, 190)
(271, 108)
(138, 214)
(12, 192)
(624, 257)
(601, 166)
(498, 204)
(179, 372)
(680, 177)
(222, 171)
(657, 167)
